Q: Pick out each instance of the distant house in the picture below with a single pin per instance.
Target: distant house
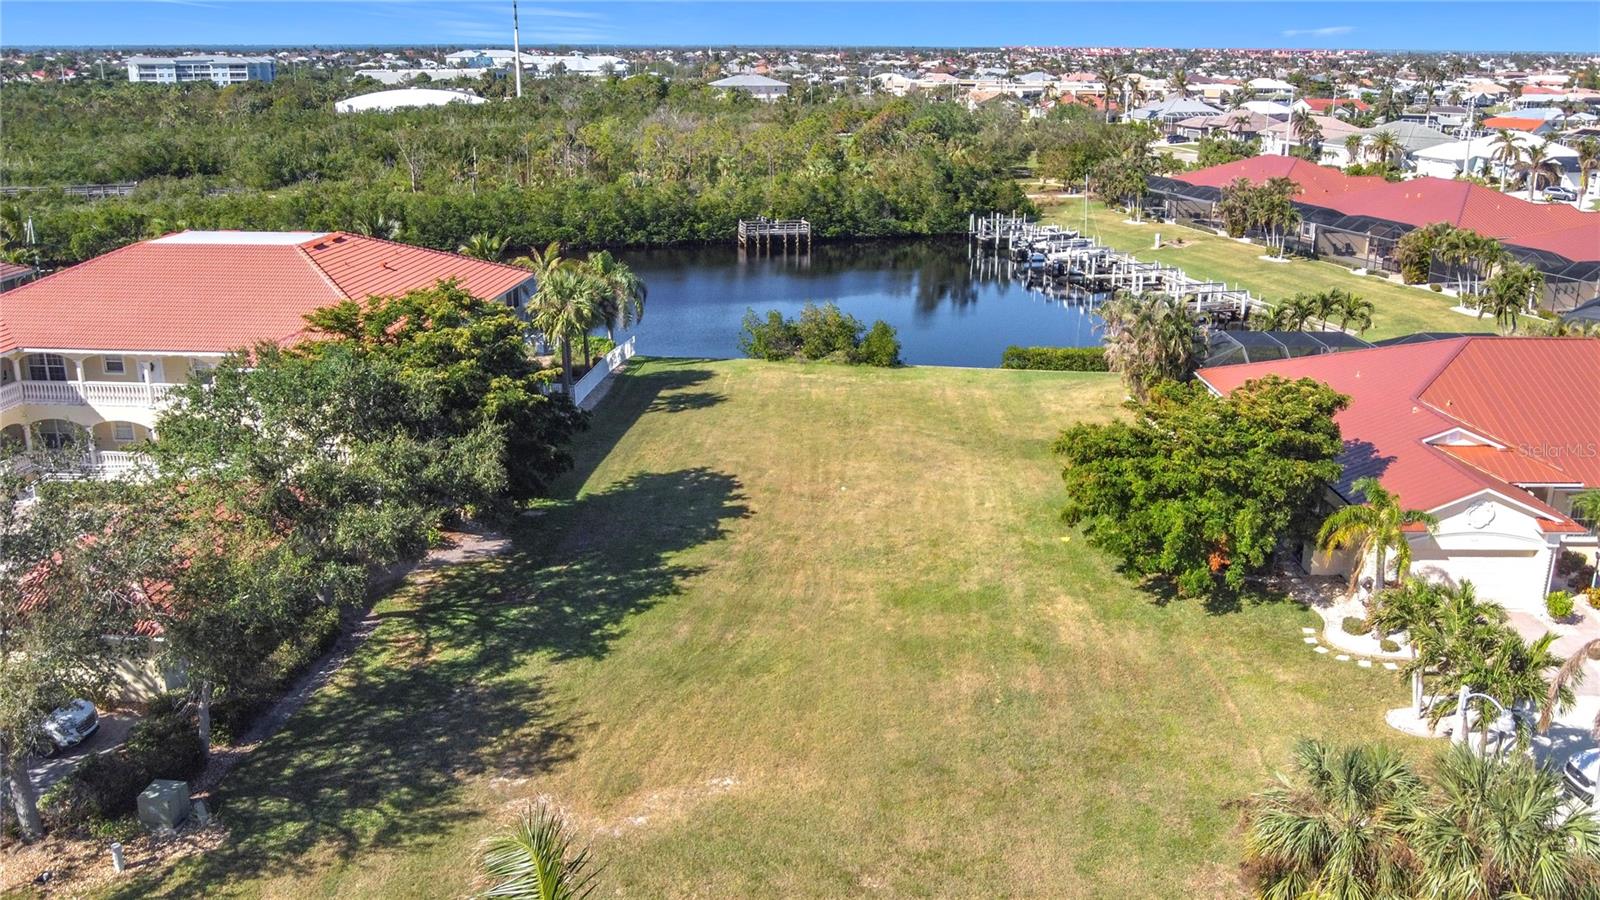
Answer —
(1518, 123)
(1341, 107)
(1283, 137)
(1470, 430)
(1172, 110)
(1413, 136)
(758, 86)
(13, 275)
(1240, 124)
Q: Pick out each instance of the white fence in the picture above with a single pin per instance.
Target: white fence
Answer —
(607, 364)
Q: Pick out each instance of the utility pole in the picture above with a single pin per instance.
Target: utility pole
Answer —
(516, 49)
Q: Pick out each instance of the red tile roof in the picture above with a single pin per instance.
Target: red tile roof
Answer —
(1556, 227)
(200, 292)
(1324, 104)
(1515, 123)
(1527, 395)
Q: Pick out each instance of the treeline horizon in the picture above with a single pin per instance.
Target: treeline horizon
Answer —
(590, 162)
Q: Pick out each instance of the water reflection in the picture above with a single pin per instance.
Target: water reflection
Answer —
(952, 304)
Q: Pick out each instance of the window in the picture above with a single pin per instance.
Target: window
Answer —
(122, 432)
(114, 366)
(47, 367)
(57, 434)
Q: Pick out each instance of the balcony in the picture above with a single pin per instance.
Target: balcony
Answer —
(124, 394)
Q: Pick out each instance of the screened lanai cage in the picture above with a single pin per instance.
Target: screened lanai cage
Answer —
(1227, 348)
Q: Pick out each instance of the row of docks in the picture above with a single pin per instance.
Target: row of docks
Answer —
(1061, 261)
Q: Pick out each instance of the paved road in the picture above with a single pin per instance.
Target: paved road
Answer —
(112, 732)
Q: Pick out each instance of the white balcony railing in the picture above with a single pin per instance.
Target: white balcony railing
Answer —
(129, 394)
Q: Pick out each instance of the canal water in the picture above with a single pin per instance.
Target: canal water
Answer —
(951, 304)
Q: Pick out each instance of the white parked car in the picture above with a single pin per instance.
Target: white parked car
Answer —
(1581, 774)
(72, 724)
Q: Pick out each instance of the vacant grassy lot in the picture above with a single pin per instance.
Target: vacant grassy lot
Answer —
(1400, 309)
(797, 631)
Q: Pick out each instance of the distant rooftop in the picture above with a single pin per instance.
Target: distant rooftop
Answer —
(244, 238)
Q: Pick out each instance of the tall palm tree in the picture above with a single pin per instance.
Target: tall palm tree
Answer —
(1505, 150)
(1354, 309)
(1509, 293)
(1110, 75)
(564, 308)
(1588, 163)
(543, 263)
(622, 292)
(1384, 147)
(536, 860)
(1501, 827)
(1537, 167)
(1352, 148)
(1149, 338)
(1332, 827)
(1371, 528)
(1305, 129)
(1179, 81)
(484, 245)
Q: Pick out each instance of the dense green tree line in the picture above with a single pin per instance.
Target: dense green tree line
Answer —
(584, 161)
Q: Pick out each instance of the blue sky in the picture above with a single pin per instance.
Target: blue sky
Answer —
(1528, 25)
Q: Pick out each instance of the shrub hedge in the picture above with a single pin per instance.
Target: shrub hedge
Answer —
(107, 785)
(819, 333)
(1354, 625)
(1056, 359)
(1558, 604)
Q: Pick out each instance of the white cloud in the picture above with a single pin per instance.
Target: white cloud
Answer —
(1327, 31)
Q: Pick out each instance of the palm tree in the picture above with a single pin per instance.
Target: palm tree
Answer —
(1501, 827)
(1537, 166)
(484, 245)
(1505, 150)
(536, 861)
(622, 292)
(566, 307)
(1333, 826)
(543, 263)
(1352, 148)
(1567, 677)
(1415, 609)
(1149, 338)
(1372, 528)
(1354, 309)
(1509, 293)
(1296, 313)
(1110, 74)
(1179, 81)
(1451, 631)
(1588, 163)
(1306, 130)
(1384, 147)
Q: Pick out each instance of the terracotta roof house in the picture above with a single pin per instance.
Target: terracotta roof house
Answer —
(98, 345)
(1519, 123)
(1358, 220)
(1331, 106)
(1475, 430)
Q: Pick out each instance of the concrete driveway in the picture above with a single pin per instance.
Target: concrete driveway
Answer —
(112, 732)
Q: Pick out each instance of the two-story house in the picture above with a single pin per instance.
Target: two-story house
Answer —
(99, 345)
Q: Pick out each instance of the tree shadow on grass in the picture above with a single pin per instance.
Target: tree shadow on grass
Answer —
(646, 385)
(441, 693)
(1221, 600)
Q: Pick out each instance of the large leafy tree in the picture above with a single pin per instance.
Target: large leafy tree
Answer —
(1333, 825)
(1372, 528)
(66, 593)
(471, 387)
(1199, 488)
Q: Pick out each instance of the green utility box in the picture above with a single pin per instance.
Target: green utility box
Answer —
(164, 805)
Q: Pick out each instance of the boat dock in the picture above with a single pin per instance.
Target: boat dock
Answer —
(761, 232)
(1061, 260)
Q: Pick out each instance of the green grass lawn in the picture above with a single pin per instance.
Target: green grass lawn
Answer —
(1399, 309)
(796, 630)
